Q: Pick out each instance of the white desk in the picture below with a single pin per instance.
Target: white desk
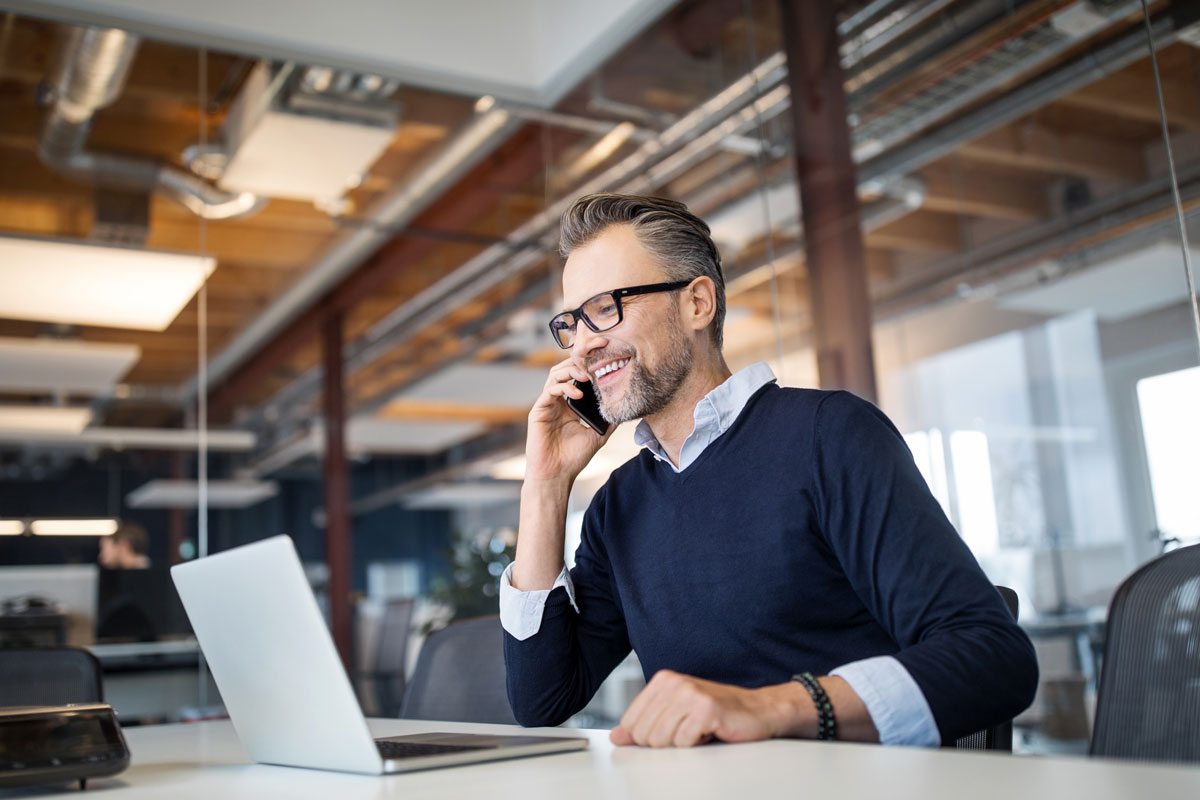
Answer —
(204, 761)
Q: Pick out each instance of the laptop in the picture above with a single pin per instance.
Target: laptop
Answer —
(283, 684)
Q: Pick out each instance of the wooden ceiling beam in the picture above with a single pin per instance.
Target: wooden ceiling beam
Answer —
(919, 232)
(161, 137)
(959, 189)
(245, 244)
(1040, 149)
(442, 411)
(70, 217)
(1130, 94)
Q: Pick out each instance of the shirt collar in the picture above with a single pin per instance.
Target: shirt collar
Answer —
(717, 410)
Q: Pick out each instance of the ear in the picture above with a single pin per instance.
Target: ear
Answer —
(700, 304)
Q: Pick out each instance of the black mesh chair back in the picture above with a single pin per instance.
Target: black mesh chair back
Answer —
(997, 737)
(1148, 702)
(391, 657)
(459, 675)
(49, 676)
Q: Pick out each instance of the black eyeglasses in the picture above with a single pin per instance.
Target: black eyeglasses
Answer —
(602, 312)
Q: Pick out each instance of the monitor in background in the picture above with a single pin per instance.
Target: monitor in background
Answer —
(138, 605)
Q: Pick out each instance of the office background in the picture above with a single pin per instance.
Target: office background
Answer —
(357, 204)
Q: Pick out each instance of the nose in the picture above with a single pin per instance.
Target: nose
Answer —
(586, 342)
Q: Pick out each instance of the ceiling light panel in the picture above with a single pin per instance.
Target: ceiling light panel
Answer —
(73, 527)
(54, 280)
(411, 437)
(44, 419)
(473, 494)
(280, 152)
(186, 494)
(12, 527)
(498, 384)
(55, 365)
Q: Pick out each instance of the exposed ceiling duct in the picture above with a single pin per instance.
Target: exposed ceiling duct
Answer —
(89, 72)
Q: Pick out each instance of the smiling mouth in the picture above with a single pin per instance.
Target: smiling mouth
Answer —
(610, 368)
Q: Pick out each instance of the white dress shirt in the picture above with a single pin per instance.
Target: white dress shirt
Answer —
(895, 702)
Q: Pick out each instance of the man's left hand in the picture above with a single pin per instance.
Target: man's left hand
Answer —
(681, 711)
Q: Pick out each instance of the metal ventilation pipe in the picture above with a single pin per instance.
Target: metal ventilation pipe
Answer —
(89, 72)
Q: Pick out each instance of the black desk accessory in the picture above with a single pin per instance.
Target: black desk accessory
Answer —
(58, 744)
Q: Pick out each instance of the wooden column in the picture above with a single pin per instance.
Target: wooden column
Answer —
(825, 172)
(337, 486)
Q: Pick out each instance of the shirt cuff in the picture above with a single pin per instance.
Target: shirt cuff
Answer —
(521, 612)
(895, 702)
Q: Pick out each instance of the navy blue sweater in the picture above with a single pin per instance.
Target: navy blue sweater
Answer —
(802, 539)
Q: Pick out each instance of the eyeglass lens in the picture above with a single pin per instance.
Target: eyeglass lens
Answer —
(599, 313)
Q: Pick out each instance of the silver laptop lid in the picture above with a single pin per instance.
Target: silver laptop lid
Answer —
(273, 660)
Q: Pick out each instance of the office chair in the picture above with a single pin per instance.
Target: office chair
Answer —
(1148, 702)
(49, 676)
(997, 737)
(391, 656)
(460, 676)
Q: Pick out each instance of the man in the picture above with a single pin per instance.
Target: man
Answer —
(763, 534)
(126, 548)
(122, 614)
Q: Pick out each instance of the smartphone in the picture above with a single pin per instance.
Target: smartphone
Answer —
(587, 408)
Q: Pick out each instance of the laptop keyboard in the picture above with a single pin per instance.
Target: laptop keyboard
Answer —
(414, 749)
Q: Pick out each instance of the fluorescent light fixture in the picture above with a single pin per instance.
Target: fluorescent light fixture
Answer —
(374, 435)
(134, 438)
(186, 494)
(52, 365)
(74, 527)
(44, 419)
(468, 494)
(58, 280)
(12, 527)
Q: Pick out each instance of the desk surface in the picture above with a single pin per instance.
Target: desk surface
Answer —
(204, 760)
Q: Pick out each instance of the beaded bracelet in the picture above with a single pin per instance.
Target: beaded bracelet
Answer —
(826, 721)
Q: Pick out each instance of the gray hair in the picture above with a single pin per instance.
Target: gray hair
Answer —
(678, 239)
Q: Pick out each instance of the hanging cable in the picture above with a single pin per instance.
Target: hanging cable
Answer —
(1183, 234)
(202, 358)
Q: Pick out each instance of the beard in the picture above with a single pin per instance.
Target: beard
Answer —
(648, 391)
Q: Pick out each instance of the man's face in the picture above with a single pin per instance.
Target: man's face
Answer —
(111, 552)
(645, 358)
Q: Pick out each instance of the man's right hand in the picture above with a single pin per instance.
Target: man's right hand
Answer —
(559, 445)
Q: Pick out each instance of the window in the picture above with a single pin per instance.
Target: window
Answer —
(1170, 412)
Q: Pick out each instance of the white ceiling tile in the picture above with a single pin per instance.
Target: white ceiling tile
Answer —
(186, 493)
(52, 365)
(407, 437)
(78, 283)
(487, 384)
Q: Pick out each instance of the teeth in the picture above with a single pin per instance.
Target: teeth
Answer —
(611, 367)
